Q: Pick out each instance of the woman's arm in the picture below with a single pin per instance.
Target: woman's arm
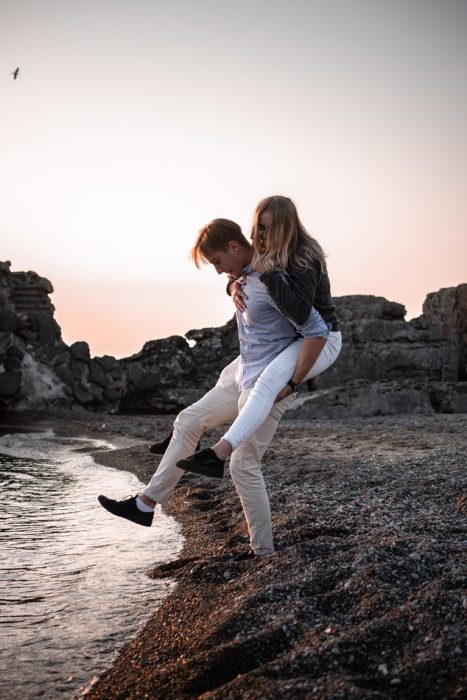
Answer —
(294, 291)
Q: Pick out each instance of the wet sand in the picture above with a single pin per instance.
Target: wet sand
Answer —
(366, 596)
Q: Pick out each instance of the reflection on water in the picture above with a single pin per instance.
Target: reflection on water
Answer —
(73, 587)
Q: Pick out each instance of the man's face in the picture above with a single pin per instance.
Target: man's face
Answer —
(230, 261)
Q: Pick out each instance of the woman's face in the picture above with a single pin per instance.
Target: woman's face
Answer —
(264, 223)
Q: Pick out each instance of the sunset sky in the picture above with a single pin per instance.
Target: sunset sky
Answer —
(134, 122)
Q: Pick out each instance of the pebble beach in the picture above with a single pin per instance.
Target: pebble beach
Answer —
(366, 596)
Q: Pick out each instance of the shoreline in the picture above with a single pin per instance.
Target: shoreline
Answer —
(365, 596)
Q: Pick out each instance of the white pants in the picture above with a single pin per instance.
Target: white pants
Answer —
(272, 380)
(218, 406)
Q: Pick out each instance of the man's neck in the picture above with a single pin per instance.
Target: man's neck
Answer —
(247, 257)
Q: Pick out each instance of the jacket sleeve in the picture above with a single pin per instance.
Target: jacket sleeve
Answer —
(294, 291)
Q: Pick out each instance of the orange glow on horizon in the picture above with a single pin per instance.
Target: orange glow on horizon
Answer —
(118, 320)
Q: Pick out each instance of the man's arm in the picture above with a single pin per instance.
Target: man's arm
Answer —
(311, 350)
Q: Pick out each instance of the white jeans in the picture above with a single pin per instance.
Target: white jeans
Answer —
(218, 406)
(272, 380)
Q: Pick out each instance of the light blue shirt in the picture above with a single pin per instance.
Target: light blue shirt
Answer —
(264, 331)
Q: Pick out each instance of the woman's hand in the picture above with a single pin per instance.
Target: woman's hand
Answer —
(286, 391)
(238, 295)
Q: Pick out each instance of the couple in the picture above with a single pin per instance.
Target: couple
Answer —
(288, 332)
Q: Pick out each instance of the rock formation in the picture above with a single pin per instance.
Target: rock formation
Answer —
(37, 369)
(172, 373)
(387, 365)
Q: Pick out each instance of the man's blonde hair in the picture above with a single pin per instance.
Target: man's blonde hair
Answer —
(216, 236)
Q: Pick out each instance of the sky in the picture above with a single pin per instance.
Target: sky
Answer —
(132, 123)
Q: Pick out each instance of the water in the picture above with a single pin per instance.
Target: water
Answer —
(73, 584)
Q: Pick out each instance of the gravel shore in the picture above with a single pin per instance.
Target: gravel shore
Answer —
(366, 596)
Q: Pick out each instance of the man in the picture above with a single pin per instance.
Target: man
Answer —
(263, 333)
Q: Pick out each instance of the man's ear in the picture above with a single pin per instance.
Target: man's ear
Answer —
(234, 246)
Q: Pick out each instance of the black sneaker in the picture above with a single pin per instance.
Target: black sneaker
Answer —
(243, 556)
(158, 448)
(204, 462)
(126, 508)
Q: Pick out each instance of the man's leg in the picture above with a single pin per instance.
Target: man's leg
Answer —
(218, 406)
(226, 378)
(245, 468)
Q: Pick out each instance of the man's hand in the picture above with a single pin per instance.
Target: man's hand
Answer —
(238, 295)
(286, 391)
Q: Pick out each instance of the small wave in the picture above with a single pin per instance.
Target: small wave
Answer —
(71, 571)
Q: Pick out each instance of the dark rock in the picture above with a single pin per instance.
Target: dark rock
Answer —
(363, 399)
(449, 397)
(10, 384)
(48, 332)
(29, 335)
(13, 364)
(362, 307)
(63, 359)
(65, 374)
(107, 362)
(80, 351)
(386, 364)
(5, 342)
(97, 375)
(111, 394)
(448, 308)
(8, 321)
(79, 370)
(15, 351)
(96, 393)
(82, 393)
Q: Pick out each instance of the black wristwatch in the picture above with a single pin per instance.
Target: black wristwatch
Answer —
(292, 385)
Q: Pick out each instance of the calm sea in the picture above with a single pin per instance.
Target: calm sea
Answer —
(73, 583)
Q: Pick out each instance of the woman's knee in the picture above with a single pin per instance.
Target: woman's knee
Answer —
(265, 389)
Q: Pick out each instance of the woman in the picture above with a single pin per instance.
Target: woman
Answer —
(293, 268)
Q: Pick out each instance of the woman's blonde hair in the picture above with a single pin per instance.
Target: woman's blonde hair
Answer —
(287, 241)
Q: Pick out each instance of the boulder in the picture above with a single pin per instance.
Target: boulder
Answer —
(97, 375)
(361, 398)
(8, 321)
(447, 309)
(361, 307)
(80, 351)
(10, 384)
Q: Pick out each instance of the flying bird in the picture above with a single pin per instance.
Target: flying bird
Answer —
(15, 73)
